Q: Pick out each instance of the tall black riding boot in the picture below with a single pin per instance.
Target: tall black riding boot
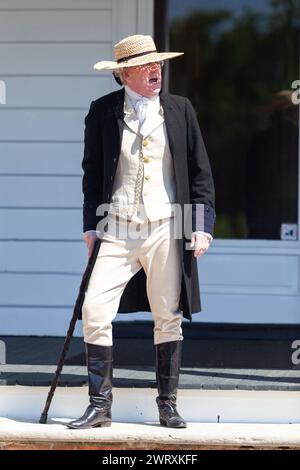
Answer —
(168, 361)
(100, 367)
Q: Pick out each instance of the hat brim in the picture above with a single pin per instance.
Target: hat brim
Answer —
(146, 59)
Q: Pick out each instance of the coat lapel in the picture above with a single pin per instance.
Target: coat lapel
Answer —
(176, 130)
(171, 121)
(173, 125)
(130, 117)
(112, 132)
(118, 109)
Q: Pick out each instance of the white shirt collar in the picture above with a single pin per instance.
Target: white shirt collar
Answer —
(133, 96)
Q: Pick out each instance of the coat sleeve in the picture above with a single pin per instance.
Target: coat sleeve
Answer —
(91, 183)
(202, 193)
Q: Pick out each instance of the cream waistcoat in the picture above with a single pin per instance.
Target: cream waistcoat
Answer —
(144, 185)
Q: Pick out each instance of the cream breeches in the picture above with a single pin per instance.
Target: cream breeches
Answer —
(119, 259)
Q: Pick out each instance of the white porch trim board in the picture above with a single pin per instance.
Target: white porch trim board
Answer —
(138, 405)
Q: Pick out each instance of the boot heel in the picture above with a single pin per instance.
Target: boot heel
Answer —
(163, 422)
(104, 425)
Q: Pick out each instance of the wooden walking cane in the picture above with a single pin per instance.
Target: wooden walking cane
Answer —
(76, 315)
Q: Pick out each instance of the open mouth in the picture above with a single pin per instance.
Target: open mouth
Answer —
(153, 80)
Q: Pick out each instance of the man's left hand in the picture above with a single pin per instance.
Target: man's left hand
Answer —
(200, 242)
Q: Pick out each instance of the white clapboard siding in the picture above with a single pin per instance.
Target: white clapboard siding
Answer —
(57, 26)
(55, 92)
(40, 224)
(263, 274)
(41, 158)
(44, 191)
(54, 4)
(19, 289)
(41, 125)
(68, 257)
(51, 59)
(47, 52)
(32, 321)
(248, 308)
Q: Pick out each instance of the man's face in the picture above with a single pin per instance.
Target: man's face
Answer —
(144, 79)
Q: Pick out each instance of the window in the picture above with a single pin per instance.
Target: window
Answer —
(241, 57)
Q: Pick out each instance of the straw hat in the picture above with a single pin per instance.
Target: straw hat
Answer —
(135, 50)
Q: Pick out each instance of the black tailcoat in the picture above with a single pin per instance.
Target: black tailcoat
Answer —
(194, 183)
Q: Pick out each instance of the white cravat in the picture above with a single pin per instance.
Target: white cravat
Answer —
(145, 107)
(141, 107)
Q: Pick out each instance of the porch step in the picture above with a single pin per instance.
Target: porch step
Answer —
(225, 408)
(205, 396)
(131, 436)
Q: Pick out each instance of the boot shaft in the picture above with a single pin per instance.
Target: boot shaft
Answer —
(168, 362)
(100, 372)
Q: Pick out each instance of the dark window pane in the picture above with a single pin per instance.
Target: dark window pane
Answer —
(241, 57)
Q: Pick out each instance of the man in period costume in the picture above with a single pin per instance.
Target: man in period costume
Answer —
(143, 156)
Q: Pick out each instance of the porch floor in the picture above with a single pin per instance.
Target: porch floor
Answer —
(23, 435)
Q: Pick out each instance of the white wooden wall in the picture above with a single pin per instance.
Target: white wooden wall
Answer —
(47, 52)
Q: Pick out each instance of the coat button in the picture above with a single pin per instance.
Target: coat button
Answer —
(147, 177)
(146, 160)
(145, 142)
(146, 193)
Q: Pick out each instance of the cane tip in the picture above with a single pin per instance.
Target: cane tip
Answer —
(43, 418)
